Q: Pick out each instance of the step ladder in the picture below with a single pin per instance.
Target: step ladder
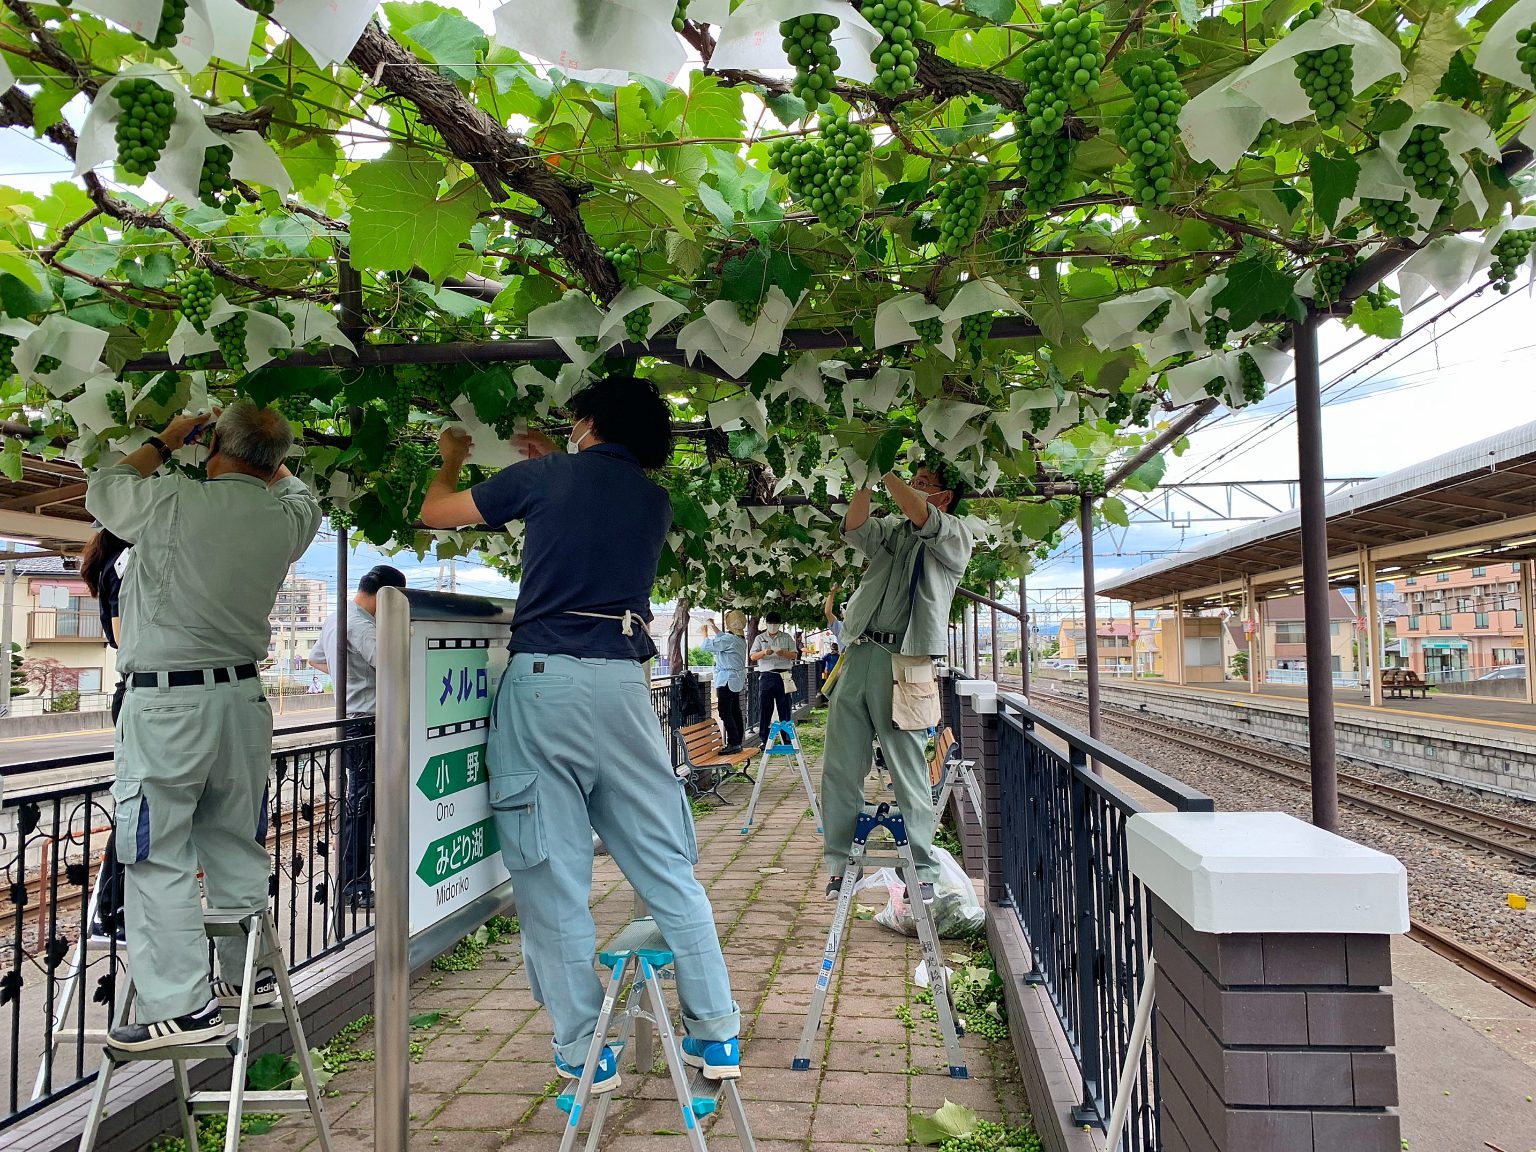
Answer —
(637, 961)
(262, 950)
(957, 775)
(771, 748)
(888, 816)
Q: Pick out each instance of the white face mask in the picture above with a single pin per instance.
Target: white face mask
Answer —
(573, 442)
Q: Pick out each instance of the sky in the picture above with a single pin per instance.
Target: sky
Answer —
(1457, 376)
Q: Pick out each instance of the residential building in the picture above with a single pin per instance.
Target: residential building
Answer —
(1126, 646)
(303, 603)
(1284, 640)
(1462, 624)
(55, 617)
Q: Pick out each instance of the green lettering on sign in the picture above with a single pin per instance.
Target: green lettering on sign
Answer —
(452, 772)
(458, 686)
(458, 851)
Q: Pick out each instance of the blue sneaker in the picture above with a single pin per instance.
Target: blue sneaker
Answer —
(720, 1059)
(604, 1080)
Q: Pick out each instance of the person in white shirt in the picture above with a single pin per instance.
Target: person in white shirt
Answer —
(730, 652)
(774, 654)
(362, 695)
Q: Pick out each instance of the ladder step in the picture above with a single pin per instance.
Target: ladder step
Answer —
(633, 937)
(217, 1103)
(228, 923)
(223, 1049)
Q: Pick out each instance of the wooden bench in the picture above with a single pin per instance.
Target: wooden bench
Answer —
(704, 761)
(1397, 681)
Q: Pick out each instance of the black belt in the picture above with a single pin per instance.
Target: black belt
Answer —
(881, 637)
(192, 676)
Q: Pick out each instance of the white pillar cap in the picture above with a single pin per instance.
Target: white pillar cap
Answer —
(983, 694)
(1265, 872)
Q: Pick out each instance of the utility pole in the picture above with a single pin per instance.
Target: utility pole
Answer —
(5, 634)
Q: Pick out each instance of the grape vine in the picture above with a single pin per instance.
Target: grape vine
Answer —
(895, 57)
(147, 112)
(962, 203)
(1511, 251)
(808, 44)
(1148, 128)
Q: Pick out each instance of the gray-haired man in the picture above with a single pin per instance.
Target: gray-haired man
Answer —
(194, 741)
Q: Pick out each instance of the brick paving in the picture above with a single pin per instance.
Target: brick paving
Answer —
(486, 1075)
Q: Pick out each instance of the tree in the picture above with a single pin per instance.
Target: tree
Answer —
(700, 658)
(989, 258)
(52, 679)
(1239, 662)
(18, 673)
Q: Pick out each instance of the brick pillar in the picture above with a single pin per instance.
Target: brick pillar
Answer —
(983, 838)
(1273, 1016)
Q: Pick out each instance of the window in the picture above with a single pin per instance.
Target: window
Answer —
(1463, 604)
(1290, 632)
(1333, 627)
(1442, 577)
(1411, 581)
(90, 680)
(1445, 621)
(1336, 666)
(1515, 567)
(1479, 572)
(1413, 623)
(1480, 620)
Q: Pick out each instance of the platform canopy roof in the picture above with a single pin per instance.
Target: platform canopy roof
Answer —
(1475, 504)
(46, 506)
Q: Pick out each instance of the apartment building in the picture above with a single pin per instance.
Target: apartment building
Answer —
(1462, 624)
(1126, 647)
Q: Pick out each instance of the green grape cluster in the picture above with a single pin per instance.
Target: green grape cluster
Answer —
(1510, 253)
(825, 174)
(930, 330)
(679, 15)
(397, 406)
(261, 7)
(1326, 75)
(808, 44)
(1329, 279)
(341, 520)
(1040, 419)
(215, 177)
(1149, 126)
(230, 335)
(749, 311)
(1390, 217)
(1526, 53)
(197, 293)
(294, 405)
(626, 262)
(895, 57)
(989, 1136)
(1045, 151)
(143, 124)
(173, 21)
(398, 485)
(431, 382)
(1092, 484)
(974, 329)
(637, 325)
(7, 354)
(1077, 43)
(117, 407)
(1216, 386)
(962, 204)
(1216, 331)
(773, 456)
(1141, 408)
(1427, 161)
(587, 343)
(47, 364)
(1118, 408)
(1154, 319)
(1269, 133)
(1253, 378)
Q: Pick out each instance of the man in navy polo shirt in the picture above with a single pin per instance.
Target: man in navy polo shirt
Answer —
(574, 745)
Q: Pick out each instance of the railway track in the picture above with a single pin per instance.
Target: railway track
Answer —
(1507, 840)
(1452, 822)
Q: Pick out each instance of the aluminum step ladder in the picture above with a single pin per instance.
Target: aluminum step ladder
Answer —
(959, 776)
(888, 816)
(772, 748)
(637, 961)
(262, 950)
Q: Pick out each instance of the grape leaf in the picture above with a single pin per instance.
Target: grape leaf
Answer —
(1385, 321)
(1148, 476)
(689, 515)
(791, 276)
(996, 11)
(744, 278)
(10, 460)
(490, 390)
(1440, 37)
(887, 448)
(270, 1071)
(1392, 114)
(452, 42)
(1256, 289)
(1037, 521)
(949, 1121)
(1114, 511)
(1460, 81)
(1333, 181)
(400, 220)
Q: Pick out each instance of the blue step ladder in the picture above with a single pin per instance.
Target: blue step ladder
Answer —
(888, 816)
(637, 961)
(772, 748)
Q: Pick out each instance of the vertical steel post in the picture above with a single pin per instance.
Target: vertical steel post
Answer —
(339, 672)
(975, 641)
(1088, 929)
(1024, 644)
(992, 591)
(1251, 633)
(1373, 642)
(392, 932)
(1314, 575)
(1090, 616)
(1527, 628)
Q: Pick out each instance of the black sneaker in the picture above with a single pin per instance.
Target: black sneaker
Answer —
(925, 893)
(193, 1028)
(834, 887)
(265, 992)
(361, 900)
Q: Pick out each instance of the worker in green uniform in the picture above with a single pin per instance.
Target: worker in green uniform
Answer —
(194, 741)
(894, 625)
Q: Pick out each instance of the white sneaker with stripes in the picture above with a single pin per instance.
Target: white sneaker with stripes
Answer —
(204, 1024)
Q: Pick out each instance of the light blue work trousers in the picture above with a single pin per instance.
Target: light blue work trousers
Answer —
(575, 746)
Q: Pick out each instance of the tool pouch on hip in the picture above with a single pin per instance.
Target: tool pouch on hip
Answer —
(789, 682)
(914, 693)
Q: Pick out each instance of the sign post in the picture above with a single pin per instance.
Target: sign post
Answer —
(437, 859)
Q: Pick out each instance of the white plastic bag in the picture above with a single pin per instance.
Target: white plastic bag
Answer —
(957, 913)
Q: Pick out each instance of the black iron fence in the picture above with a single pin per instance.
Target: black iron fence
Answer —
(63, 956)
(1083, 912)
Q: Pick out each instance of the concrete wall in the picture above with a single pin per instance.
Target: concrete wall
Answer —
(1435, 748)
(45, 723)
